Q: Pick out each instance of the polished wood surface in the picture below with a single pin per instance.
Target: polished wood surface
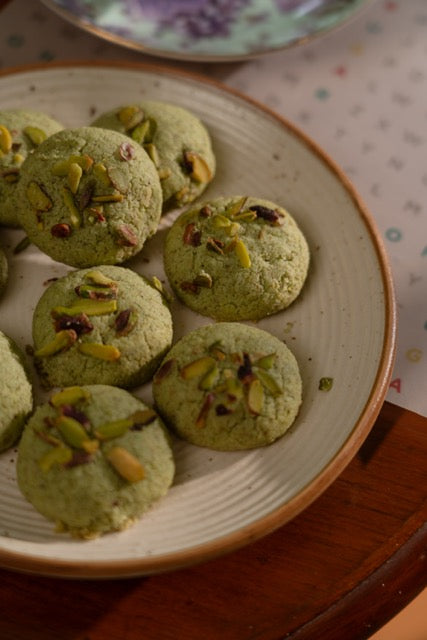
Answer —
(339, 570)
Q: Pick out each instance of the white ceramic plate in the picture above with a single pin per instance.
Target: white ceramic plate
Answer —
(342, 326)
(208, 30)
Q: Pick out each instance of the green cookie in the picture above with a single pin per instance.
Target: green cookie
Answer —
(239, 258)
(94, 459)
(177, 142)
(106, 325)
(89, 196)
(21, 131)
(228, 386)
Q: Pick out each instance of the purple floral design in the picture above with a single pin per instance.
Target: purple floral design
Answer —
(192, 18)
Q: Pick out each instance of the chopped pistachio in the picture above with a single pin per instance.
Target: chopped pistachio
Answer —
(269, 382)
(118, 179)
(164, 173)
(69, 395)
(124, 322)
(192, 235)
(233, 229)
(72, 431)
(234, 388)
(130, 116)
(245, 216)
(18, 158)
(235, 207)
(126, 236)
(5, 139)
(126, 464)
(140, 133)
(202, 417)
(100, 279)
(94, 292)
(203, 279)
(10, 175)
(142, 417)
(75, 173)
(75, 217)
(221, 221)
(113, 429)
(63, 340)
(210, 379)
(100, 172)
(266, 362)
(126, 151)
(199, 169)
(164, 370)
(216, 351)
(38, 198)
(198, 367)
(243, 254)
(58, 455)
(101, 351)
(35, 134)
(255, 397)
(89, 307)
(325, 383)
(153, 154)
(215, 245)
(22, 244)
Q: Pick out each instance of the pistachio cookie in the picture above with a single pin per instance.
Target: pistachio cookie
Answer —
(106, 325)
(16, 394)
(237, 258)
(94, 459)
(89, 196)
(4, 270)
(21, 131)
(228, 386)
(177, 142)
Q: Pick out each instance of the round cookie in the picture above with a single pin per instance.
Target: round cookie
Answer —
(89, 196)
(4, 270)
(239, 258)
(177, 142)
(94, 459)
(21, 131)
(106, 325)
(228, 386)
(16, 394)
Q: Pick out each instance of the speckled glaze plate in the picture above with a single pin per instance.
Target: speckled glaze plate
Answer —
(209, 30)
(342, 326)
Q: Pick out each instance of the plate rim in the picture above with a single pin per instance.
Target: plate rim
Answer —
(51, 566)
(133, 45)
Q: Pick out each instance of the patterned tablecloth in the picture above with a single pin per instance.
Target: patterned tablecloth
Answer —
(360, 92)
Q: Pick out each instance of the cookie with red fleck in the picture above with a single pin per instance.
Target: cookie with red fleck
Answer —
(177, 142)
(228, 386)
(236, 258)
(89, 196)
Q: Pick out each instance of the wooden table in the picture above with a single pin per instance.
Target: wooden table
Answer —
(338, 571)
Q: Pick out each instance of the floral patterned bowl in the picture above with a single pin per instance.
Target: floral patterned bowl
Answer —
(207, 30)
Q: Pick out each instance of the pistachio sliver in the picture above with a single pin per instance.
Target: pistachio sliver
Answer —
(210, 379)
(35, 134)
(107, 352)
(72, 431)
(5, 139)
(110, 197)
(63, 340)
(141, 131)
(242, 253)
(100, 172)
(97, 277)
(221, 221)
(197, 367)
(88, 306)
(255, 397)
(126, 464)
(235, 207)
(269, 382)
(152, 152)
(113, 429)
(130, 116)
(69, 395)
(75, 173)
(37, 197)
(266, 362)
(58, 455)
(199, 169)
(75, 217)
